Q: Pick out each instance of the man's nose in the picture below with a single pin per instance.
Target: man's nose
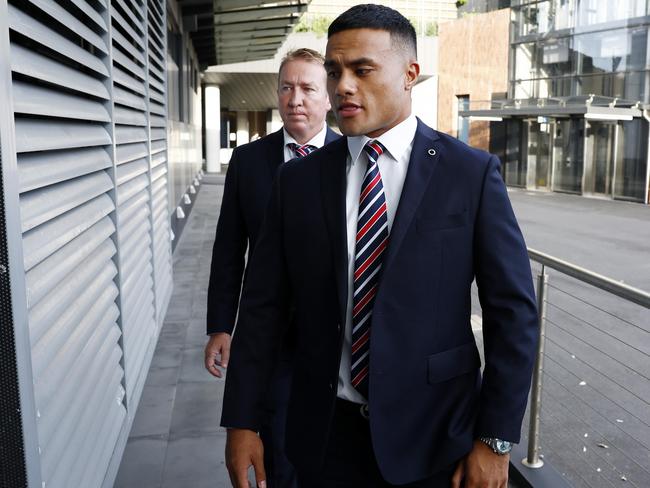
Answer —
(345, 85)
(296, 98)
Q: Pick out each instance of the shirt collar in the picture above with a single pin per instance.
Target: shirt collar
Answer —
(318, 140)
(396, 140)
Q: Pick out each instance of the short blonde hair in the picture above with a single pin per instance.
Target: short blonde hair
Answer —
(302, 54)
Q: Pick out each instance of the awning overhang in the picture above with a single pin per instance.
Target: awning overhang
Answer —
(231, 31)
(601, 109)
(248, 30)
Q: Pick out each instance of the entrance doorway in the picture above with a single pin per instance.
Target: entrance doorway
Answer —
(568, 144)
(601, 153)
(539, 153)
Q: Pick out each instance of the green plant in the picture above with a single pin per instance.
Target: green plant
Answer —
(460, 3)
(316, 24)
(431, 29)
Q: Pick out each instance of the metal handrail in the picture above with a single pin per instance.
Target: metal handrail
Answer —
(621, 290)
(617, 288)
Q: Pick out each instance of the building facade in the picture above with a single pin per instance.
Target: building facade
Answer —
(575, 118)
(473, 65)
(99, 147)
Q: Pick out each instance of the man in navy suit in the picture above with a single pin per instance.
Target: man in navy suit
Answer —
(374, 242)
(303, 104)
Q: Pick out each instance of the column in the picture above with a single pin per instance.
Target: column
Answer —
(212, 128)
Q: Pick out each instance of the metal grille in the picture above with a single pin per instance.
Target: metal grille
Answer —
(65, 181)
(12, 467)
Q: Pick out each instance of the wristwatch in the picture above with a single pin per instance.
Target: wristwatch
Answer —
(499, 446)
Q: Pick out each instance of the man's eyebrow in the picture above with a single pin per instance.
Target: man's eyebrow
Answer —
(359, 61)
(355, 62)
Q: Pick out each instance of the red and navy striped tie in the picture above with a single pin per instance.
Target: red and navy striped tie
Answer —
(371, 242)
(301, 151)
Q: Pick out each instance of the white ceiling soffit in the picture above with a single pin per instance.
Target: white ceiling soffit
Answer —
(247, 30)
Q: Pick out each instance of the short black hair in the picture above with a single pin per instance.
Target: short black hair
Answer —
(380, 17)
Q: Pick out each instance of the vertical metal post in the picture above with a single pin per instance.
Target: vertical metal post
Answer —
(533, 460)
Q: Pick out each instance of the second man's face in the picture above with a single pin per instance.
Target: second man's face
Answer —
(302, 98)
(369, 81)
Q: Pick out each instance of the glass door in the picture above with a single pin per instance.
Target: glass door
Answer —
(601, 148)
(568, 144)
(539, 152)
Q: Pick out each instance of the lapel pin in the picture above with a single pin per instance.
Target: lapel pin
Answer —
(432, 152)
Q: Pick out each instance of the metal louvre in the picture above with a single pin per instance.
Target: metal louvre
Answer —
(132, 179)
(65, 181)
(13, 470)
(157, 103)
(89, 107)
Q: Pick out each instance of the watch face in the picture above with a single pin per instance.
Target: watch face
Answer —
(503, 447)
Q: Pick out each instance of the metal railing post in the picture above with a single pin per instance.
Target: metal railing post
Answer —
(532, 459)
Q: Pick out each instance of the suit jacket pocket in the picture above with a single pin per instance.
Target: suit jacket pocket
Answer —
(449, 221)
(454, 362)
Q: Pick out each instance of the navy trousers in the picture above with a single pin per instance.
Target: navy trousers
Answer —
(279, 470)
(350, 461)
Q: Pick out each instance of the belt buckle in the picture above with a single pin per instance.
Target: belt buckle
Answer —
(363, 410)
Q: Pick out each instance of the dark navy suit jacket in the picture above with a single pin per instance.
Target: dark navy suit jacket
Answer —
(427, 400)
(245, 198)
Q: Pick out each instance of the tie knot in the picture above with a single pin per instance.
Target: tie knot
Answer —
(301, 151)
(374, 149)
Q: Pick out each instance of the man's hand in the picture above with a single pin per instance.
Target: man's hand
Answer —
(217, 353)
(243, 449)
(482, 468)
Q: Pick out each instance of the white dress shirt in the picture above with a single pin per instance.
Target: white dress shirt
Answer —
(393, 165)
(318, 140)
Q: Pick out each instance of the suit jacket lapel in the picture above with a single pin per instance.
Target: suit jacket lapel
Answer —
(333, 161)
(330, 136)
(424, 157)
(275, 152)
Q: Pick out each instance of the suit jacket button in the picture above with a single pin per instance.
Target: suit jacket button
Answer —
(331, 386)
(338, 327)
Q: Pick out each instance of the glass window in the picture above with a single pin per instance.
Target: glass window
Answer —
(626, 86)
(526, 61)
(561, 87)
(631, 160)
(592, 12)
(611, 51)
(523, 89)
(463, 122)
(564, 14)
(556, 57)
(544, 16)
(533, 18)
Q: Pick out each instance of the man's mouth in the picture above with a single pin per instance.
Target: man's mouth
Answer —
(349, 109)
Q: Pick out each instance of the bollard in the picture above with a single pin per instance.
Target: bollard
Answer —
(532, 460)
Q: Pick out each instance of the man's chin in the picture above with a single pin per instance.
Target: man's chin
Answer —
(351, 130)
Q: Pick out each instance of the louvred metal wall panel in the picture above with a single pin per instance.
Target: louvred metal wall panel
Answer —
(62, 114)
(89, 100)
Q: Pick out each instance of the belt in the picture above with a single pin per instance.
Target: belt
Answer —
(353, 408)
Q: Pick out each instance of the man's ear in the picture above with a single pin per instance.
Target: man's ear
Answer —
(412, 74)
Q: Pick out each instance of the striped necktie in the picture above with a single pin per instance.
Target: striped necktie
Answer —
(301, 151)
(371, 242)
